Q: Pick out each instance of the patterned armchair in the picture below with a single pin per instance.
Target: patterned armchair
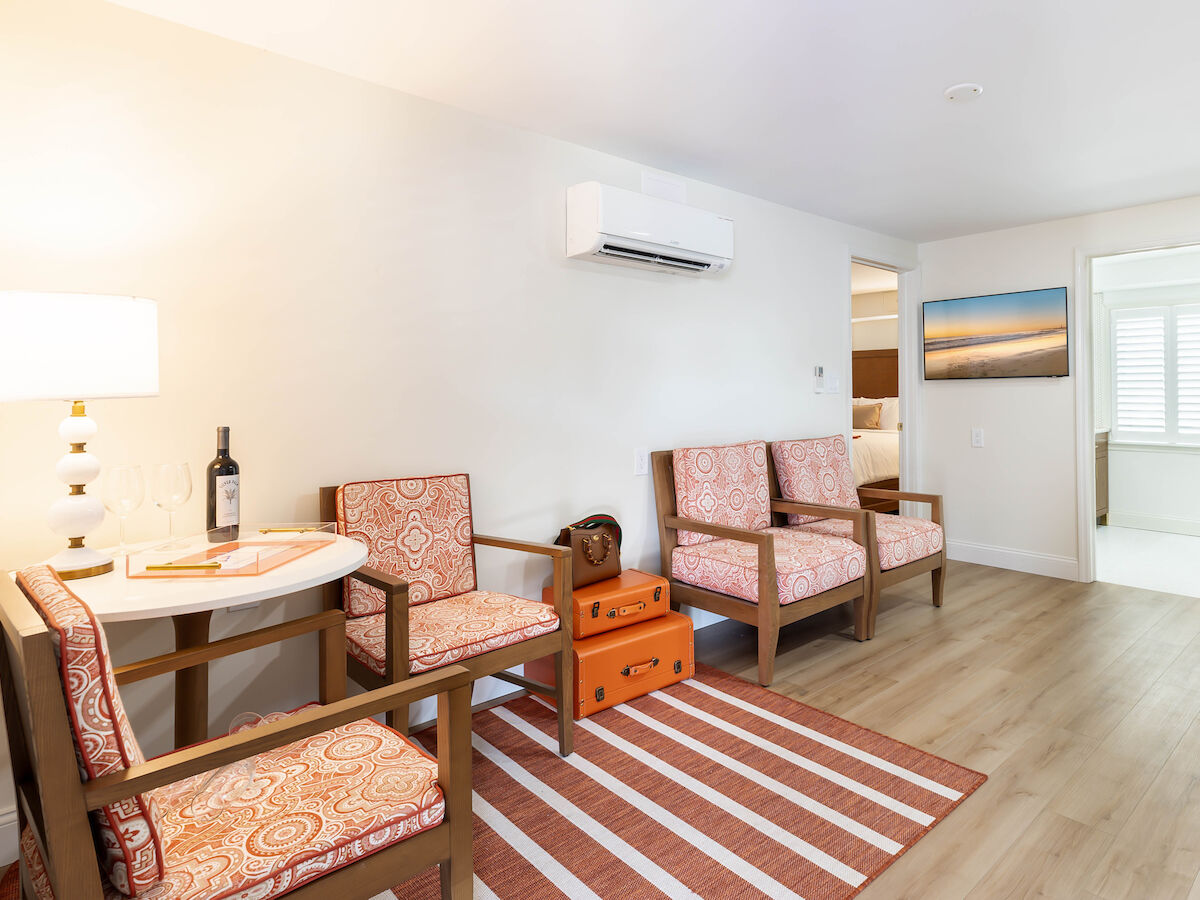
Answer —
(721, 552)
(338, 805)
(416, 606)
(819, 471)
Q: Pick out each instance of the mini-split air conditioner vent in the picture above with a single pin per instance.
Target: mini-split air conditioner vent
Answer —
(656, 259)
(611, 225)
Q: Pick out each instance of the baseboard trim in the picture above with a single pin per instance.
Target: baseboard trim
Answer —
(1018, 560)
(8, 833)
(1154, 523)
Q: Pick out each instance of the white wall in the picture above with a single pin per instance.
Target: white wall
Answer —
(364, 284)
(1013, 502)
(1155, 488)
(875, 334)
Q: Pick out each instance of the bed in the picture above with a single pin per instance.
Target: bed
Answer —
(875, 452)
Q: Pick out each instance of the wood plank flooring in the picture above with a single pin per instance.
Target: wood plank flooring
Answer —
(1080, 702)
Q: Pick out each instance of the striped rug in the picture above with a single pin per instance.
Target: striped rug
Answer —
(712, 788)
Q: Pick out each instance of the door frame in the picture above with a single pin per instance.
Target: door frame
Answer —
(908, 292)
(1085, 419)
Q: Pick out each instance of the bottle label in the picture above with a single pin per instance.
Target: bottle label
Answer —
(228, 501)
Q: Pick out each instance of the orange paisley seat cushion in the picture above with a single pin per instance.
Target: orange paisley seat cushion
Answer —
(449, 630)
(806, 564)
(902, 539)
(310, 808)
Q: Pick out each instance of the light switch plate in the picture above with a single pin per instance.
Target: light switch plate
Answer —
(641, 461)
(976, 436)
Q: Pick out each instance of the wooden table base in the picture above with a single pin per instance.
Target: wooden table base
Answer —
(191, 685)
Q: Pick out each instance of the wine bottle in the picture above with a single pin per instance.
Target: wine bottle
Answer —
(224, 492)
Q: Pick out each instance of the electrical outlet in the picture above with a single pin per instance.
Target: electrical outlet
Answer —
(641, 461)
(976, 436)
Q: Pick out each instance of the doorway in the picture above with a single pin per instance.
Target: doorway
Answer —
(875, 381)
(1145, 379)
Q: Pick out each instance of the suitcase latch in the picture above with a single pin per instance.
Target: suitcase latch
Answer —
(658, 593)
(596, 610)
(599, 694)
(678, 666)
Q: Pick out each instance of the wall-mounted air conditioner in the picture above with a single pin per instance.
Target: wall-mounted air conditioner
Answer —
(611, 225)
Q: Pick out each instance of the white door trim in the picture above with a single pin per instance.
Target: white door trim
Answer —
(908, 356)
(1085, 428)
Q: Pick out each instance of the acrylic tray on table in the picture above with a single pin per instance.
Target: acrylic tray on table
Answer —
(257, 549)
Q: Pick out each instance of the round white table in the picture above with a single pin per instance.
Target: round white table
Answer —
(190, 603)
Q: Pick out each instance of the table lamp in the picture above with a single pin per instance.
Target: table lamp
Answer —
(77, 347)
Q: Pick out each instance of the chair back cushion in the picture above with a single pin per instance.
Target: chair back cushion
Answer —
(128, 832)
(418, 529)
(722, 485)
(815, 470)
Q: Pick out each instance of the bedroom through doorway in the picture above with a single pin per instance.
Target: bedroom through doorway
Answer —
(875, 381)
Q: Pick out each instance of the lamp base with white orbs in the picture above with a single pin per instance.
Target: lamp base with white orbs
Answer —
(78, 513)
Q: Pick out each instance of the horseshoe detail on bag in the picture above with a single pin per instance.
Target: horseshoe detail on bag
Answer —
(589, 545)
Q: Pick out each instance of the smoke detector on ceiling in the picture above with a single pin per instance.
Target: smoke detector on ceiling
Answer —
(961, 93)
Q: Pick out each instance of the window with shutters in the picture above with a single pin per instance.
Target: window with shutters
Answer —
(1155, 374)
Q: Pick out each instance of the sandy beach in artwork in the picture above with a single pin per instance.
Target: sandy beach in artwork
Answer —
(998, 356)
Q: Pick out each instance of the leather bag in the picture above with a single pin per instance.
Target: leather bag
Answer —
(595, 543)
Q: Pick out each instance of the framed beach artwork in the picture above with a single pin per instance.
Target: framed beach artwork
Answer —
(1017, 335)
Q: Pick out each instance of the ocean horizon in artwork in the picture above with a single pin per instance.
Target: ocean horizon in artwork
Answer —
(1023, 334)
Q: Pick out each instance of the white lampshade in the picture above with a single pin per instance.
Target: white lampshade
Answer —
(77, 346)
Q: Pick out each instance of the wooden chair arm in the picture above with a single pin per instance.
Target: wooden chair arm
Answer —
(768, 584)
(863, 519)
(561, 557)
(488, 540)
(395, 639)
(180, 764)
(239, 643)
(377, 578)
(934, 500)
(719, 531)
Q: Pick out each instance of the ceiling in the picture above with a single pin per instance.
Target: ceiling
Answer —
(833, 108)
(871, 280)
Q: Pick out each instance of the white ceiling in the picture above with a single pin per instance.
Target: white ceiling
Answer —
(831, 107)
(870, 280)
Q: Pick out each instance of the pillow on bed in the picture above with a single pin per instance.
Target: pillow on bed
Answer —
(867, 416)
(889, 416)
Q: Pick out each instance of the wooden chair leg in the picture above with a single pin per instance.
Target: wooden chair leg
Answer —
(454, 747)
(564, 700)
(939, 583)
(872, 607)
(862, 616)
(768, 643)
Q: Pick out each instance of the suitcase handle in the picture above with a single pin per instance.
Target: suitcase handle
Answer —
(640, 668)
(631, 610)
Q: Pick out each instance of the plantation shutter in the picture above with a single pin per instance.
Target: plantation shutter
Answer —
(1187, 369)
(1139, 373)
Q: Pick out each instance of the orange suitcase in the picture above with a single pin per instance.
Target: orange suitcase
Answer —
(631, 597)
(619, 665)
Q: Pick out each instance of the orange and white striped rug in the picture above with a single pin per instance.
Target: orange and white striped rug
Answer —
(712, 788)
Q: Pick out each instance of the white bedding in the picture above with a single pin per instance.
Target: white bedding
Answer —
(875, 454)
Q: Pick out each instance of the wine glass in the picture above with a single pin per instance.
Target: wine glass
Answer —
(231, 784)
(124, 491)
(171, 485)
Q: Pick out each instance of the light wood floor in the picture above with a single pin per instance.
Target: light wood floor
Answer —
(1080, 702)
